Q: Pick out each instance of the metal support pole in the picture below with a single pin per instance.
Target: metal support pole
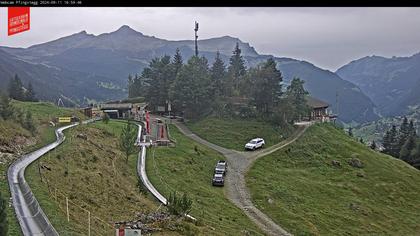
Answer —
(88, 223)
(67, 208)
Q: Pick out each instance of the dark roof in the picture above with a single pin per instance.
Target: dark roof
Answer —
(315, 102)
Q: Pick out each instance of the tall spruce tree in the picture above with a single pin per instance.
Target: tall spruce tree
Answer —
(158, 76)
(177, 62)
(403, 133)
(266, 86)
(218, 75)
(191, 91)
(236, 69)
(407, 148)
(391, 142)
(296, 97)
(16, 89)
(412, 129)
(30, 93)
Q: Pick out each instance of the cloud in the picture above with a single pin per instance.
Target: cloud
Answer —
(327, 37)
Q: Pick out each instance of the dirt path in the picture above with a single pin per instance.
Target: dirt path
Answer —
(239, 164)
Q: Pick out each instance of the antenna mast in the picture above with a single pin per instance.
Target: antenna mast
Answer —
(196, 37)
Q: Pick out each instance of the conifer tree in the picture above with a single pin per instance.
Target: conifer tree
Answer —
(391, 142)
(177, 61)
(403, 134)
(407, 148)
(236, 69)
(16, 89)
(218, 75)
(30, 94)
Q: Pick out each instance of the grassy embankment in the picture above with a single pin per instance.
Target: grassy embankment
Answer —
(302, 191)
(235, 133)
(186, 170)
(12, 134)
(94, 175)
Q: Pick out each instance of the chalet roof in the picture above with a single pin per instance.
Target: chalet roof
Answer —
(116, 106)
(315, 102)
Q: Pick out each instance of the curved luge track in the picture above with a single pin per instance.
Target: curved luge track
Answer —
(30, 215)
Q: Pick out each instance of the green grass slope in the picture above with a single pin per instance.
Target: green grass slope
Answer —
(94, 175)
(303, 192)
(235, 133)
(186, 170)
(12, 134)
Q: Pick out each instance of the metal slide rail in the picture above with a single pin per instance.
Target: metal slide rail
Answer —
(141, 172)
(31, 217)
(141, 169)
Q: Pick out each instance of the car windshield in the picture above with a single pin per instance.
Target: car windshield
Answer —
(220, 166)
(253, 142)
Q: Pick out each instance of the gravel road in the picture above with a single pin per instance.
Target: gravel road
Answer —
(239, 164)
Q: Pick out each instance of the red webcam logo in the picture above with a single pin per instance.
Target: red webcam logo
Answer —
(18, 20)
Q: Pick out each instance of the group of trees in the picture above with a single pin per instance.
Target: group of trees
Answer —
(18, 92)
(10, 112)
(403, 143)
(195, 89)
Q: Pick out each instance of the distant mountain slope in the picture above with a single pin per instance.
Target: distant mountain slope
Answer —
(353, 104)
(86, 65)
(392, 83)
(51, 83)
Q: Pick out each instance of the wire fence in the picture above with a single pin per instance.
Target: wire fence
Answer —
(80, 219)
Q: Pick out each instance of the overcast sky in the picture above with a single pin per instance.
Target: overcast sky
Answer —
(326, 37)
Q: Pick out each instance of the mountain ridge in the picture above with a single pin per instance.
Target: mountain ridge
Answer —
(112, 56)
(391, 83)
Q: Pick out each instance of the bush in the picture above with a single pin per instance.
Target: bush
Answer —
(105, 118)
(179, 205)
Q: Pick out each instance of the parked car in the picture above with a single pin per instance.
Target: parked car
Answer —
(255, 143)
(221, 167)
(218, 180)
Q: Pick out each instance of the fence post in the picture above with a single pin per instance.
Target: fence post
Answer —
(67, 207)
(88, 223)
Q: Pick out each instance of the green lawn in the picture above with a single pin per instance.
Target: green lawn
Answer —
(43, 112)
(185, 170)
(235, 133)
(303, 192)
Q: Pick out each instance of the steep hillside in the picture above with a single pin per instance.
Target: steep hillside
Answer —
(51, 82)
(235, 133)
(391, 83)
(15, 141)
(188, 168)
(376, 130)
(82, 67)
(310, 188)
(90, 170)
